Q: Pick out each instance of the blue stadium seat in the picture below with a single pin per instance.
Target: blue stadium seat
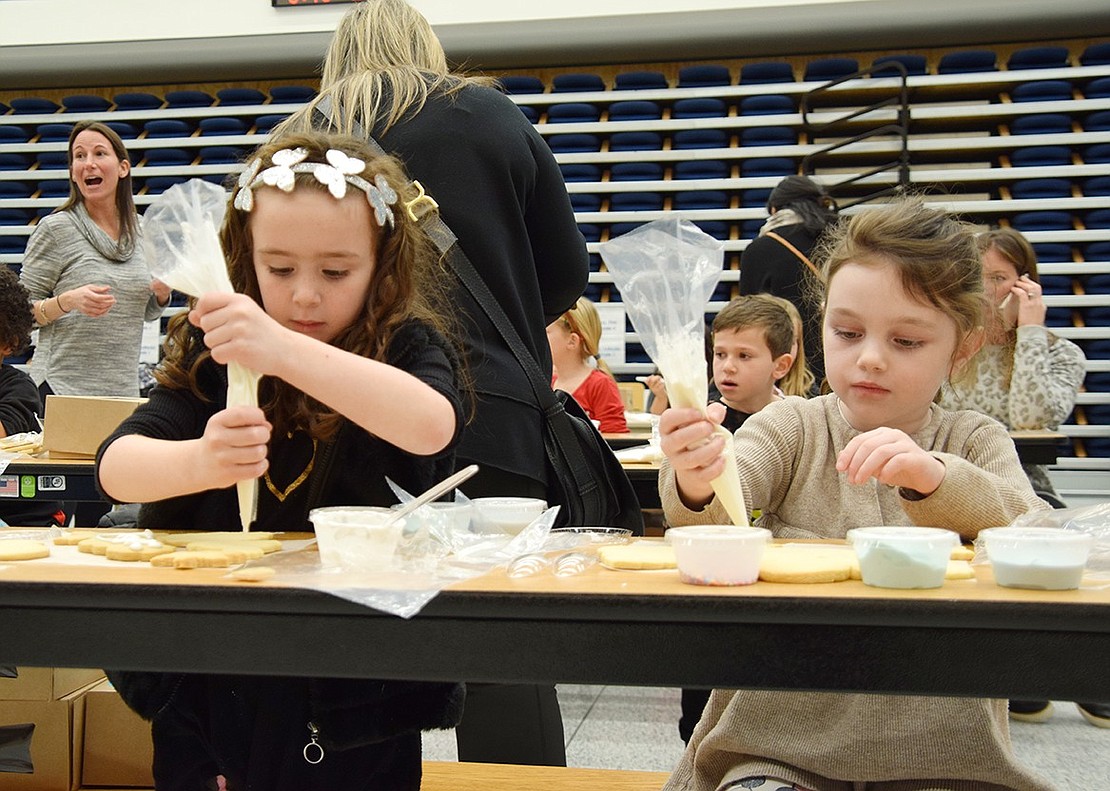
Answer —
(620, 229)
(52, 160)
(1097, 284)
(636, 201)
(764, 72)
(1099, 218)
(54, 133)
(292, 94)
(156, 185)
(1097, 154)
(125, 130)
(634, 111)
(1042, 221)
(167, 157)
(573, 143)
(754, 199)
(635, 141)
(521, 83)
(240, 96)
(576, 83)
(1041, 156)
(1052, 252)
(594, 291)
(707, 107)
(188, 99)
(1097, 89)
(574, 172)
(32, 105)
(718, 229)
(1038, 58)
(590, 232)
(767, 104)
(54, 188)
(700, 199)
(700, 138)
(85, 103)
(14, 161)
(1099, 186)
(765, 167)
(167, 127)
(13, 245)
(573, 113)
(636, 171)
(913, 64)
(585, 201)
(967, 61)
(137, 100)
(222, 125)
(1096, 55)
(1041, 124)
(640, 80)
(1042, 91)
(1097, 251)
(828, 69)
(768, 136)
(701, 169)
(221, 155)
(1097, 382)
(531, 113)
(10, 133)
(1056, 285)
(703, 76)
(15, 189)
(15, 216)
(263, 124)
(4, 108)
(1097, 122)
(1039, 189)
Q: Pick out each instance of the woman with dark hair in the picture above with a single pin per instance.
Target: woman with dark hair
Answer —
(778, 261)
(84, 269)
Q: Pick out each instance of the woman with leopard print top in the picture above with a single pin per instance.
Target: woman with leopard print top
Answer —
(1027, 377)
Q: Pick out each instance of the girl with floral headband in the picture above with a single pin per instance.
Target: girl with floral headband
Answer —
(337, 307)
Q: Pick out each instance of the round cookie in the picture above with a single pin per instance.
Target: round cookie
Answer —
(22, 549)
(804, 565)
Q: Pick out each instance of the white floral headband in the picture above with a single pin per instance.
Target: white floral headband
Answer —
(340, 171)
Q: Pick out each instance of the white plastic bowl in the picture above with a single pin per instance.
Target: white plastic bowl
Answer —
(718, 554)
(1043, 558)
(356, 537)
(903, 557)
(501, 515)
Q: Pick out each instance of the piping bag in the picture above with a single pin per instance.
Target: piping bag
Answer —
(182, 246)
(666, 271)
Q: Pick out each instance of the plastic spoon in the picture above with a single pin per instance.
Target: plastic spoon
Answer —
(438, 490)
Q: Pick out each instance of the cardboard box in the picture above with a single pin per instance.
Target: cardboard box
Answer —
(117, 751)
(42, 743)
(76, 425)
(44, 683)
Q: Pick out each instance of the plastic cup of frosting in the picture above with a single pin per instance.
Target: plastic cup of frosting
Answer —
(718, 554)
(356, 537)
(903, 557)
(1042, 558)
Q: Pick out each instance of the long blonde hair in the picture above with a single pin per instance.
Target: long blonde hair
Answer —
(584, 321)
(383, 63)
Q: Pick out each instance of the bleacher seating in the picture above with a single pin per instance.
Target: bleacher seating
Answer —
(1022, 139)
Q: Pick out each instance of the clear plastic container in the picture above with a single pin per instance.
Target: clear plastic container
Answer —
(356, 537)
(1043, 558)
(718, 554)
(505, 515)
(903, 557)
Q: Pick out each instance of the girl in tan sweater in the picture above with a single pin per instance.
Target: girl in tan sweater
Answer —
(902, 314)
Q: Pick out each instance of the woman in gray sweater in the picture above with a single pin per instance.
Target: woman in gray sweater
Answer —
(84, 269)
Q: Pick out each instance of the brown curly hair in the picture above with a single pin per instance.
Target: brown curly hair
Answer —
(408, 282)
(16, 319)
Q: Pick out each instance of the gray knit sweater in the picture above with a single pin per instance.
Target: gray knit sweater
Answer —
(786, 455)
(76, 354)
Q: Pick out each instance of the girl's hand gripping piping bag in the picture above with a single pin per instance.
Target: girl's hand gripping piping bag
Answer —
(182, 245)
(666, 271)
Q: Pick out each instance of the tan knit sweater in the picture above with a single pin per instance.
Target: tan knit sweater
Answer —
(787, 456)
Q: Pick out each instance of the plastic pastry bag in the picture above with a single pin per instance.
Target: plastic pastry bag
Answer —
(182, 245)
(666, 271)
